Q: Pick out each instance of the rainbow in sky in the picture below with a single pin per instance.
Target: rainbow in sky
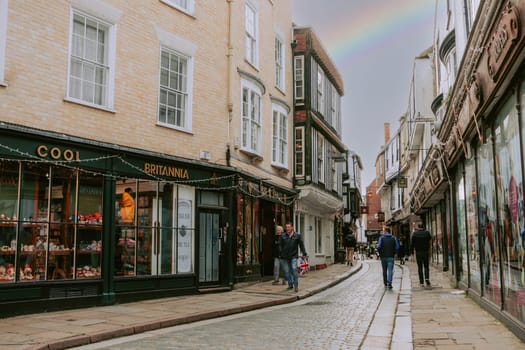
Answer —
(361, 33)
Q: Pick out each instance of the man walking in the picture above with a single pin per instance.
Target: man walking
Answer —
(387, 247)
(290, 242)
(421, 239)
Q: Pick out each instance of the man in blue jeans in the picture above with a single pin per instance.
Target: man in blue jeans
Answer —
(387, 247)
(290, 243)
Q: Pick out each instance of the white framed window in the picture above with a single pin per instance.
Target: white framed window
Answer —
(318, 235)
(320, 90)
(174, 90)
(251, 28)
(279, 62)
(187, 6)
(299, 152)
(280, 137)
(251, 117)
(334, 170)
(320, 158)
(300, 226)
(299, 77)
(3, 38)
(333, 106)
(91, 61)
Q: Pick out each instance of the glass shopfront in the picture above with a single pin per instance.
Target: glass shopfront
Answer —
(461, 226)
(437, 235)
(259, 210)
(50, 223)
(155, 228)
(490, 213)
(94, 227)
(510, 200)
(472, 254)
(489, 235)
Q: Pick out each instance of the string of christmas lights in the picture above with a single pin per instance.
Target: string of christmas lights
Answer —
(235, 185)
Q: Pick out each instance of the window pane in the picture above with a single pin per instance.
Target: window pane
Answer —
(88, 47)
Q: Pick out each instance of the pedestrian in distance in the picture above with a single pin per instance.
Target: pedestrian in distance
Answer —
(387, 247)
(277, 255)
(349, 243)
(290, 244)
(401, 254)
(421, 239)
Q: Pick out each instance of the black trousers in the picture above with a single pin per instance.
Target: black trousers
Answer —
(422, 267)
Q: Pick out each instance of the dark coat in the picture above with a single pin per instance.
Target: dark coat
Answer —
(290, 245)
(276, 246)
(349, 241)
(387, 246)
(421, 241)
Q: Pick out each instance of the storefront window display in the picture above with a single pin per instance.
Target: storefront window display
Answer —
(510, 199)
(53, 227)
(461, 226)
(247, 235)
(155, 228)
(9, 181)
(437, 237)
(489, 241)
(472, 224)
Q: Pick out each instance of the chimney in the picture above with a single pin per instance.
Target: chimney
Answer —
(387, 132)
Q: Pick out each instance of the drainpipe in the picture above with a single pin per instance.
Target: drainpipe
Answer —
(229, 56)
(230, 252)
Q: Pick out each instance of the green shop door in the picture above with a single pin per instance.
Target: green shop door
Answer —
(210, 239)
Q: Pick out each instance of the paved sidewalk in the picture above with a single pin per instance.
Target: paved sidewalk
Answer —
(445, 318)
(441, 318)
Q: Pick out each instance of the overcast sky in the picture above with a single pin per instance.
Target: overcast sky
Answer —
(373, 44)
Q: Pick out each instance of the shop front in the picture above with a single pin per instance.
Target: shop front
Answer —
(260, 208)
(91, 224)
(479, 222)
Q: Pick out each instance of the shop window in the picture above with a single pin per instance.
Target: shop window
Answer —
(9, 222)
(58, 219)
(461, 225)
(471, 198)
(247, 231)
(510, 206)
(489, 235)
(155, 230)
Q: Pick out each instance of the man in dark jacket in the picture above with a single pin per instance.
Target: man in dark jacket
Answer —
(290, 243)
(387, 247)
(421, 239)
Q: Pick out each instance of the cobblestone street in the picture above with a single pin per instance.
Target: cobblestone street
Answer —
(338, 318)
